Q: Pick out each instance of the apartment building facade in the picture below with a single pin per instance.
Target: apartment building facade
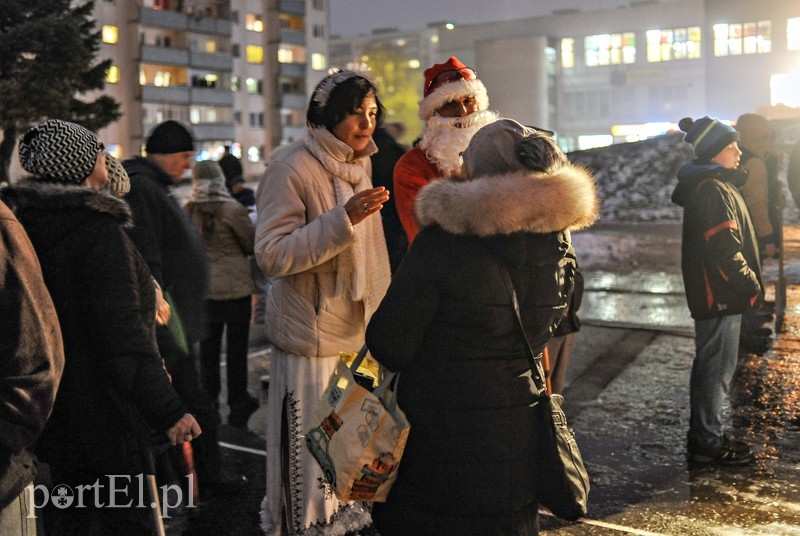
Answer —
(623, 74)
(236, 71)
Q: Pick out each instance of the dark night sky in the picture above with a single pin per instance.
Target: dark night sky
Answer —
(354, 17)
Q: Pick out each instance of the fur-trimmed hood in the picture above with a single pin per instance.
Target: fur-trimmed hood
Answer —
(31, 193)
(563, 199)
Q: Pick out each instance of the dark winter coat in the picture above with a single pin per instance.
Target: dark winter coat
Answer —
(383, 162)
(448, 326)
(31, 356)
(719, 252)
(114, 389)
(170, 245)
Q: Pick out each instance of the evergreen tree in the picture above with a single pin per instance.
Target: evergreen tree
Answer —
(47, 66)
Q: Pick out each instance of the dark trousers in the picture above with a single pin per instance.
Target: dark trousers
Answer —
(232, 317)
(186, 382)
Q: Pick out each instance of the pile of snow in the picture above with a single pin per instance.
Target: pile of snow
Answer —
(635, 180)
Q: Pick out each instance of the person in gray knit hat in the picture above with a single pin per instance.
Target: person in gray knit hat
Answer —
(114, 396)
(61, 151)
(228, 235)
(447, 323)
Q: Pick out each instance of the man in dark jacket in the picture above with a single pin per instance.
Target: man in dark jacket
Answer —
(175, 254)
(721, 276)
(231, 166)
(114, 390)
(31, 360)
(383, 162)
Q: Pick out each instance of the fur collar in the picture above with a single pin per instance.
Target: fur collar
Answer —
(565, 199)
(31, 193)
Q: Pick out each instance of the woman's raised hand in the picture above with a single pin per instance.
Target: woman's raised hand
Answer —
(366, 203)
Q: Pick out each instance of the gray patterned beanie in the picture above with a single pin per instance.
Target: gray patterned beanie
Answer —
(59, 150)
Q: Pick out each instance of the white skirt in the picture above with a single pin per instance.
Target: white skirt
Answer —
(296, 488)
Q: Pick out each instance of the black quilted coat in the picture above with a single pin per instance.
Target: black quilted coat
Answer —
(114, 389)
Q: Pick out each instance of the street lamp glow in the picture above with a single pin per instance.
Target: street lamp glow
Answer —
(450, 26)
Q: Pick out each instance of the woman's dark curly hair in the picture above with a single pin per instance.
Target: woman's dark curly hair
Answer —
(344, 99)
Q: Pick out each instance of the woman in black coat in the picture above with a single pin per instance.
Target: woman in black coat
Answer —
(448, 326)
(114, 390)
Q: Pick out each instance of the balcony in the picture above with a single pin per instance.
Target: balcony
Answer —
(172, 94)
(292, 7)
(214, 132)
(293, 69)
(212, 62)
(292, 37)
(174, 20)
(209, 25)
(215, 97)
(165, 55)
(161, 18)
(294, 101)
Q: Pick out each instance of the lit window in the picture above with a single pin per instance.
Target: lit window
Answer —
(112, 75)
(610, 49)
(793, 33)
(674, 44)
(291, 54)
(211, 46)
(253, 22)
(162, 79)
(568, 53)
(252, 85)
(110, 34)
(285, 55)
(318, 62)
(253, 154)
(255, 54)
(234, 83)
(743, 38)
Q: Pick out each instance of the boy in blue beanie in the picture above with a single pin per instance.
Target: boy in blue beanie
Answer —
(721, 277)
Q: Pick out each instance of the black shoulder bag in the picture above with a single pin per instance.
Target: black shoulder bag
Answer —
(562, 485)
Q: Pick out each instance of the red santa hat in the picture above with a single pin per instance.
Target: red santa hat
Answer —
(447, 81)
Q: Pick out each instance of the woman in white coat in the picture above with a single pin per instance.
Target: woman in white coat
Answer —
(319, 238)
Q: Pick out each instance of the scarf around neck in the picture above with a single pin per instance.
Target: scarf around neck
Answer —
(362, 269)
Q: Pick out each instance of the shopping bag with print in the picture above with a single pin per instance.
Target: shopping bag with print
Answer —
(358, 435)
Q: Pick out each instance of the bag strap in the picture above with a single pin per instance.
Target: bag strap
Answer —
(387, 378)
(532, 358)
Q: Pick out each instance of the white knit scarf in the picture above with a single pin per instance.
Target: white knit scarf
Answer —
(362, 270)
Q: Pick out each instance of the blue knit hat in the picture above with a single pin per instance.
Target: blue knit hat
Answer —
(708, 136)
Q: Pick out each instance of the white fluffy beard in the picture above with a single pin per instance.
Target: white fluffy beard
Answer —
(443, 138)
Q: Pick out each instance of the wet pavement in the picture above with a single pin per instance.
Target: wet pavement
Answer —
(627, 399)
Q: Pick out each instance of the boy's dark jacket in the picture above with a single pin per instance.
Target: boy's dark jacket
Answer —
(719, 257)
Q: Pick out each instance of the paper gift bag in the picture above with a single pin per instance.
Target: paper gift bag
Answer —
(358, 435)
